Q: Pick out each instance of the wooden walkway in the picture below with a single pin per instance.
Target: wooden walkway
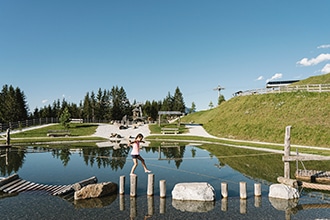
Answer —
(14, 184)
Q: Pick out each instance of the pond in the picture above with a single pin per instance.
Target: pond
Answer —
(173, 162)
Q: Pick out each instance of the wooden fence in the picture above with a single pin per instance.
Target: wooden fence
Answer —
(289, 88)
(287, 158)
(42, 121)
(27, 123)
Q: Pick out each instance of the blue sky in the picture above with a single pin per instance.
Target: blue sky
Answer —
(59, 49)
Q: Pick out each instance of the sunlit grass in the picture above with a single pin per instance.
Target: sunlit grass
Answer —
(78, 132)
(264, 118)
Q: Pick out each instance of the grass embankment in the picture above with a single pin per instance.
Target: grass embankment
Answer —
(78, 132)
(264, 118)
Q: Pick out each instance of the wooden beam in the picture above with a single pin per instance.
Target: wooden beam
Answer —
(304, 158)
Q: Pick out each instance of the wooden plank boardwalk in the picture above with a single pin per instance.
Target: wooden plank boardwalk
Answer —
(14, 184)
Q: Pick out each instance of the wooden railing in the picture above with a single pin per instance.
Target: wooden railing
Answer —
(289, 88)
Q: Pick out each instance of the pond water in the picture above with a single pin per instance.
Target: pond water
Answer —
(174, 163)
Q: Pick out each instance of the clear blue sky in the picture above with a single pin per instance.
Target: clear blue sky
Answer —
(55, 49)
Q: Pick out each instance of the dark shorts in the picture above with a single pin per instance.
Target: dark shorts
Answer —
(135, 156)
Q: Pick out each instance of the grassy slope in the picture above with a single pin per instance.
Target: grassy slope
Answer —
(79, 132)
(264, 117)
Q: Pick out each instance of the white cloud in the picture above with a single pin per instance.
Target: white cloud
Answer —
(275, 76)
(311, 62)
(44, 101)
(326, 68)
(260, 78)
(324, 46)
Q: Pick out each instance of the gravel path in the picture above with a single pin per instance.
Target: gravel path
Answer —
(105, 131)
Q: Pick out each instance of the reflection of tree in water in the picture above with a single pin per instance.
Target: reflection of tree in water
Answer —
(105, 157)
(63, 154)
(193, 152)
(11, 160)
(171, 153)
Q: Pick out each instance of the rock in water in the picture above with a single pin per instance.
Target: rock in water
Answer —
(195, 191)
(281, 191)
(96, 190)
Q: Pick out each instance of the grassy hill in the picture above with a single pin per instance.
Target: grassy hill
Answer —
(322, 79)
(264, 117)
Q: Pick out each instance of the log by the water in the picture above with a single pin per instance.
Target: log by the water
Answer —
(10, 184)
(18, 183)
(288, 182)
(13, 184)
(71, 188)
(316, 186)
(8, 179)
(17, 187)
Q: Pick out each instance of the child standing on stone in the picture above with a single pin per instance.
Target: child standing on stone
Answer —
(136, 154)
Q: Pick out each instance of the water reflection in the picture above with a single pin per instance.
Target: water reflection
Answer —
(174, 162)
(193, 206)
(12, 159)
(95, 202)
(260, 166)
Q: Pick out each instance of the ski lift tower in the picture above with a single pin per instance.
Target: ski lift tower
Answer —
(219, 88)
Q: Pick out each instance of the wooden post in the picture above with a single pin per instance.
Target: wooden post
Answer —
(257, 189)
(224, 190)
(122, 185)
(8, 137)
(133, 179)
(287, 151)
(150, 190)
(162, 187)
(242, 190)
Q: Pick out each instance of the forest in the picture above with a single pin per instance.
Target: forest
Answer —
(103, 105)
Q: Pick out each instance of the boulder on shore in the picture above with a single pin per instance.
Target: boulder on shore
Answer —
(96, 190)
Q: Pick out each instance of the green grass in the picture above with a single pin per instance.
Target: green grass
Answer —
(156, 129)
(79, 132)
(321, 79)
(264, 118)
(75, 130)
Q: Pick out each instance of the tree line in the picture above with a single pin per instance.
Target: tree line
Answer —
(104, 105)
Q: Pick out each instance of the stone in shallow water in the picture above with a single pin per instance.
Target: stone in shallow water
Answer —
(282, 191)
(195, 191)
(96, 190)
